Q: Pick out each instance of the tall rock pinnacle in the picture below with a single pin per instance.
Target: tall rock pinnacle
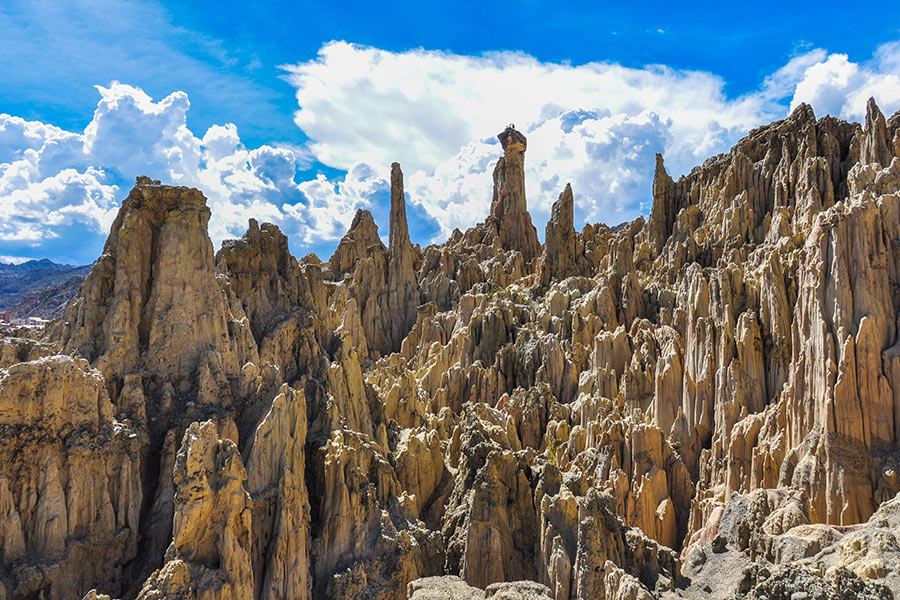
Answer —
(403, 299)
(509, 210)
(381, 280)
(152, 288)
(662, 214)
(399, 231)
(876, 145)
(560, 240)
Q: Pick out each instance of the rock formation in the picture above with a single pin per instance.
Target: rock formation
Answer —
(509, 213)
(402, 287)
(151, 303)
(558, 258)
(705, 403)
(70, 482)
(381, 280)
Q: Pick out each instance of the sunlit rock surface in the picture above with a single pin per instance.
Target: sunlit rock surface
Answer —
(705, 403)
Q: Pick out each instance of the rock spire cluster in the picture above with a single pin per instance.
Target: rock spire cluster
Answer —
(702, 404)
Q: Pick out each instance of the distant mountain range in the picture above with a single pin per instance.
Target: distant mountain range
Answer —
(39, 288)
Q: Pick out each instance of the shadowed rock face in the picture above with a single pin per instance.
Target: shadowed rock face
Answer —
(702, 404)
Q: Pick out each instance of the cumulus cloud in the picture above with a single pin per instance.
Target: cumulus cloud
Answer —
(838, 86)
(597, 126)
(51, 179)
(419, 107)
(45, 182)
(130, 133)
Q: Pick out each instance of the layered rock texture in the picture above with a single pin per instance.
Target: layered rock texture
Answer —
(705, 403)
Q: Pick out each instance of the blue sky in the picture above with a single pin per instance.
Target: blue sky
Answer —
(210, 98)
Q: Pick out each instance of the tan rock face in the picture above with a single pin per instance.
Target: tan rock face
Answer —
(452, 588)
(152, 301)
(558, 259)
(279, 508)
(210, 553)
(402, 287)
(70, 486)
(381, 280)
(702, 404)
(490, 512)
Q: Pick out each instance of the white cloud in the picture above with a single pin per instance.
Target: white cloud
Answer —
(838, 86)
(62, 199)
(18, 135)
(44, 183)
(597, 126)
(132, 134)
(13, 260)
(51, 178)
(419, 107)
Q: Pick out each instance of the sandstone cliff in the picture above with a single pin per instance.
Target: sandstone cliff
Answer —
(621, 413)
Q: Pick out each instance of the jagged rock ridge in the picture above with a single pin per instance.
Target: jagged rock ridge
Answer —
(627, 413)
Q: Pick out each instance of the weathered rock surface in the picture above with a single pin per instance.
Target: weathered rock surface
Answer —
(509, 213)
(450, 587)
(151, 303)
(70, 486)
(209, 556)
(559, 258)
(705, 403)
(763, 544)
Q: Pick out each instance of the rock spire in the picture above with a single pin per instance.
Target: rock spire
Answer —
(509, 211)
(560, 240)
(403, 290)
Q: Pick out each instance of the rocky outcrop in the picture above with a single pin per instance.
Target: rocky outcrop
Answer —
(665, 208)
(70, 486)
(279, 508)
(763, 543)
(452, 588)
(702, 404)
(509, 212)
(381, 280)
(490, 511)
(558, 258)
(402, 287)
(209, 556)
(151, 302)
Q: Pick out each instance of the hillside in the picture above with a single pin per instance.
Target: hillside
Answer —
(703, 403)
(49, 286)
(48, 302)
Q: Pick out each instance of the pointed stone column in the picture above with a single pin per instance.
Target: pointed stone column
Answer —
(558, 258)
(876, 145)
(403, 291)
(399, 231)
(664, 210)
(509, 211)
